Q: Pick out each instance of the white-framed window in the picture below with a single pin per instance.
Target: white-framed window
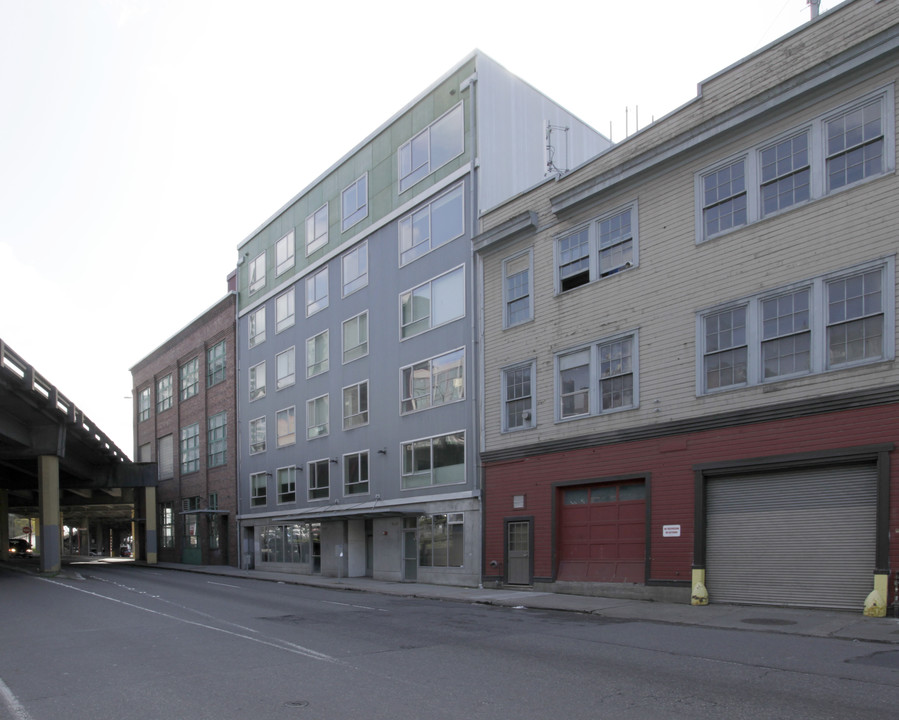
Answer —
(190, 378)
(143, 404)
(216, 364)
(441, 540)
(597, 378)
(287, 484)
(355, 473)
(258, 489)
(257, 381)
(354, 202)
(433, 225)
(354, 266)
(256, 327)
(355, 405)
(285, 313)
(834, 321)
(518, 385)
(318, 474)
(602, 247)
(164, 393)
(438, 301)
(436, 381)
(257, 435)
(317, 230)
(190, 448)
(317, 417)
(317, 354)
(286, 364)
(285, 253)
(434, 461)
(286, 424)
(217, 439)
(317, 291)
(433, 147)
(518, 289)
(257, 273)
(852, 144)
(355, 337)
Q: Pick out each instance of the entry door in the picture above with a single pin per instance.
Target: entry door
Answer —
(518, 552)
(190, 548)
(410, 555)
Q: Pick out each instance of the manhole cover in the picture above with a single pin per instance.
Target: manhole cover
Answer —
(768, 621)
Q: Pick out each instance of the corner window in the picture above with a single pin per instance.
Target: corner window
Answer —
(355, 337)
(518, 397)
(354, 203)
(434, 303)
(434, 461)
(257, 435)
(257, 273)
(603, 247)
(318, 473)
(433, 225)
(257, 381)
(517, 289)
(317, 292)
(317, 353)
(285, 251)
(317, 412)
(597, 379)
(355, 405)
(217, 440)
(287, 484)
(190, 448)
(285, 315)
(215, 364)
(355, 473)
(164, 398)
(286, 364)
(143, 404)
(355, 269)
(436, 381)
(286, 424)
(258, 489)
(190, 378)
(432, 148)
(256, 327)
(317, 230)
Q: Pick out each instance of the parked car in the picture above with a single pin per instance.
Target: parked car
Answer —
(19, 547)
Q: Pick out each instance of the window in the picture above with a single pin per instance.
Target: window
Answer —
(144, 453)
(432, 148)
(257, 435)
(317, 417)
(850, 145)
(257, 273)
(286, 364)
(287, 485)
(317, 353)
(217, 440)
(436, 381)
(285, 249)
(143, 405)
(355, 269)
(828, 322)
(284, 311)
(517, 289)
(286, 422)
(257, 381)
(518, 398)
(257, 327)
(355, 473)
(167, 524)
(165, 455)
(317, 292)
(164, 394)
(317, 229)
(258, 489)
(318, 473)
(354, 202)
(436, 223)
(355, 337)
(434, 303)
(215, 364)
(441, 540)
(190, 378)
(597, 379)
(434, 461)
(355, 405)
(603, 247)
(190, 448)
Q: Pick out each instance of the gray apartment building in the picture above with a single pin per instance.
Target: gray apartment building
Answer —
(358, 380)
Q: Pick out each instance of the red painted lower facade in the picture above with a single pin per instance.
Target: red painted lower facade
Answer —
(545, 489)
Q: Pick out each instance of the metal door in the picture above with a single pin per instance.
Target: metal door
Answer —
(191, 553)
(410, 555)
(518, 552)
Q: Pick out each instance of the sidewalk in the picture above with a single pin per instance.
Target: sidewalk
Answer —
(789, 621)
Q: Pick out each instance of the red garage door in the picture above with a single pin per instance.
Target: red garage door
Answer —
(602, 533)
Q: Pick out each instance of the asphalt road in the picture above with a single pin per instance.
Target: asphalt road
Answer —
(139, 643)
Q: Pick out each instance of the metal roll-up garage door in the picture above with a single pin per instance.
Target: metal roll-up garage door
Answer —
(803, 538)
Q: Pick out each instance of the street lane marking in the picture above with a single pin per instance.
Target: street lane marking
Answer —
(361, 607)
(280, 645)
(209, 582)
(12, 703)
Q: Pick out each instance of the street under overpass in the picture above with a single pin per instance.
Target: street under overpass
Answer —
(57, 466)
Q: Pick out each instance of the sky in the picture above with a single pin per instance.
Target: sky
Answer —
(141, 141)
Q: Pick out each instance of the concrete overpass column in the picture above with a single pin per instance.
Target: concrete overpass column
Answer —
(4, 523)
(150, 514)
(48, 478)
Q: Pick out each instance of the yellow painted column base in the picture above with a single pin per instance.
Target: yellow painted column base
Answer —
(876, 602)
(699, 596)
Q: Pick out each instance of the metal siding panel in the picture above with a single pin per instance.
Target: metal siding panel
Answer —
(804, 538)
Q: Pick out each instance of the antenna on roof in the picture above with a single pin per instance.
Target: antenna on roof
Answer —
(552, 151)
